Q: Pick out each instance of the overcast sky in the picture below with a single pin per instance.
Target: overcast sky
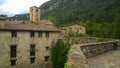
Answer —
(12, 7)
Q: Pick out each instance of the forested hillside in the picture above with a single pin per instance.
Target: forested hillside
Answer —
(100, 17)
(22, 16)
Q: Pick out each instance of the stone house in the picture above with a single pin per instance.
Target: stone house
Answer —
(11, 19)
(77, 29)
(3, 17)
(24, 44)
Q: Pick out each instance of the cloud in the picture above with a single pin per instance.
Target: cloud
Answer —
(2, 2)
(12, 7)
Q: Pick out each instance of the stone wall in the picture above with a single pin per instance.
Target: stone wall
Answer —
(94, 49)
(78, 54)
(23, 42)
(86, 40)
(35, 14)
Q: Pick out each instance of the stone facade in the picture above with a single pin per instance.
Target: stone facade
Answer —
(11, 19)
(23, 42)
(77, 29)
(3, 17)
(35, 14)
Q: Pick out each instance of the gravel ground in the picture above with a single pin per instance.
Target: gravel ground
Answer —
(106, 60)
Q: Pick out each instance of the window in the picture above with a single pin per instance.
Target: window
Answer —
(32, 50)
(13, 62)
(14, 34)
(47, 34)
(36, 10)
(46, 58)
(39, 34)
(32, 34)
(75, 28)
(32, 60)
(31, 10)
(80, 28)
(47, 47)
(13, 51)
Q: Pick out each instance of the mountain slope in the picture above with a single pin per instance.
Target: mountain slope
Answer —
(100, 17)
(93, 10)
(22, 16)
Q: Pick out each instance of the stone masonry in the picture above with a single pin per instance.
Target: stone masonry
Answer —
(35, 14)
(26, 44)
(23, 42)
(79, 53)
(94, 49)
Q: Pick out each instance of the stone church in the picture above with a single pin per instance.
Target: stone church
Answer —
(26, 44)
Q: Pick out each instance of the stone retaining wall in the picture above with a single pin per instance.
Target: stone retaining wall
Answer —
(78, 54)
(86, 40)
(94, 49)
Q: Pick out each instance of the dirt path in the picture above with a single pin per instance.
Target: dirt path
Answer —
(106, 60)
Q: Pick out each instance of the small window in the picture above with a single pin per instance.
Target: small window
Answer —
(47, 34)
(13, 51)
(32, 50)
(39, 34)
(32, 60)
(46, 58)
(32, 34)
(75, 28)
(47, 47)
(31, 10)
(80, 28)
(14, 34)
(36, 10)
(13, 62)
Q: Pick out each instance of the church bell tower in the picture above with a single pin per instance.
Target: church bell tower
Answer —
(34, 14)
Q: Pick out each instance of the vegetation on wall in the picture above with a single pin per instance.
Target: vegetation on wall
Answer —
(59, 52)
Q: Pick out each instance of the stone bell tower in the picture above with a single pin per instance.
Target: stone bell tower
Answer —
(35, 14)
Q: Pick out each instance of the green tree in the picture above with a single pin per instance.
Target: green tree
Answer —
(116, 28)
(59, 52)
(53, 19)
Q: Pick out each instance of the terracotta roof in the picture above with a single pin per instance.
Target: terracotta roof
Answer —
(27, 26)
